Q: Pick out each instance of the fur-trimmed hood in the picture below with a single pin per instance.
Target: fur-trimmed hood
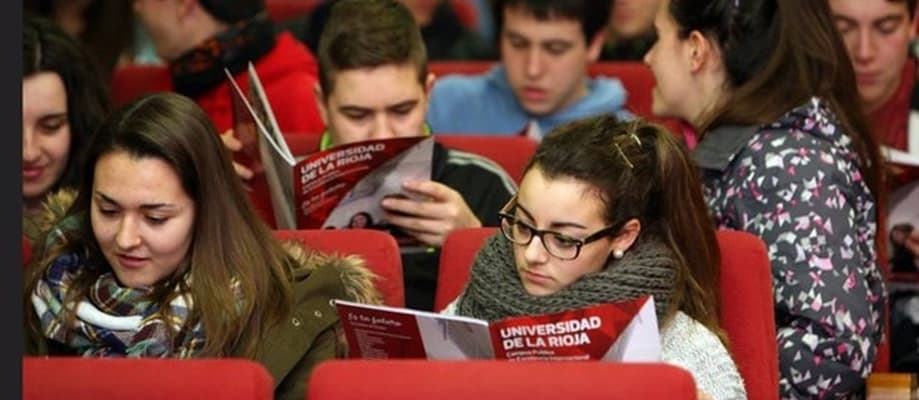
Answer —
(358, 281)
(53, 208)
(356, 278)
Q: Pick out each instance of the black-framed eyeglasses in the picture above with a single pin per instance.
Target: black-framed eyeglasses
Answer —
(557, 244)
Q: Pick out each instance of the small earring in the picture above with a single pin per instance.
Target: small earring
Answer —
(618, 253)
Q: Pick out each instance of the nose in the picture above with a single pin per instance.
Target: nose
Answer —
(382, 128)
(534, 63)
(865, 48)
(127, 236)
(30, 148)
(535, 252)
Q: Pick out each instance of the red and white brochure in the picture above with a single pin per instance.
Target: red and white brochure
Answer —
(623, 332)
(341, 187)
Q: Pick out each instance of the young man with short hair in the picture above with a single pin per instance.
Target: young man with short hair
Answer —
(374, 84)
(542, 79)
(878, 34)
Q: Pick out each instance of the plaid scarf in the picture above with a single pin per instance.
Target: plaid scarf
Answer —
(114, 320)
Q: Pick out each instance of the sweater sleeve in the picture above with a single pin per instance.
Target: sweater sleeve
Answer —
(688, 344)
(799, 201)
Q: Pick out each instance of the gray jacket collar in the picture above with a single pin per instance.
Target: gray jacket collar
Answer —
(718, 147)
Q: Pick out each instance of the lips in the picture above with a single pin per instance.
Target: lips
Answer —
(866, 78)
(32, 173)
(131, 262)
(538, 279)
(622, 14)
(533, 94)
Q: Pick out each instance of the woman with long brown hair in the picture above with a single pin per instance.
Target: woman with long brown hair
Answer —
(610, 211)
(785, 154)
(161, 255)
(64, 101)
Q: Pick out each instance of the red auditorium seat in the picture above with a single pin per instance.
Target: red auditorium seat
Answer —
(144, 379)
(510, 152)
(536, 380)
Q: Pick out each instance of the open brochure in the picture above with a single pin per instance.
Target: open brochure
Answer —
(910, 157)
(625, 331)
(903, 201)
(340, 187)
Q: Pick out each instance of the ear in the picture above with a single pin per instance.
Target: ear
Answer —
(913, 28)
(701, 50)
(595, 47)
(320, 103)
(429, 84)
(627, 236)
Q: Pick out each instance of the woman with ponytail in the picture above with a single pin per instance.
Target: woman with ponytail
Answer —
(610, 211)
(785, 153)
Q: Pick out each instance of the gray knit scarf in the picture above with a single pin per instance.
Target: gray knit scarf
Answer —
(495, 292)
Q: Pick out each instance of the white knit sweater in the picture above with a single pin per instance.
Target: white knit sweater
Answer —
(688, 344)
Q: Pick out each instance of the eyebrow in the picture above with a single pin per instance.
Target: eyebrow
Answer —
(406, 103)
(347, 108)
(56, 115)
(548, 41)
(554, 224)
(151, 206)
(852, 21)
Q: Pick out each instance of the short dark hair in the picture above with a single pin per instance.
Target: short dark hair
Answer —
(367, 34)
(47, 48)
(231, 11)
(593, 14)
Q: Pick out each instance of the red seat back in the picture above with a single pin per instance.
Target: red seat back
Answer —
(132, 81)
(283, 10)
(378, 249)
(536, 380)
(456, 257)
(144, 379)
(747, 309)
(512, 153)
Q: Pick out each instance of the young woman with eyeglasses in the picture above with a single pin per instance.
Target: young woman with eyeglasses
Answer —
(609, 211)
